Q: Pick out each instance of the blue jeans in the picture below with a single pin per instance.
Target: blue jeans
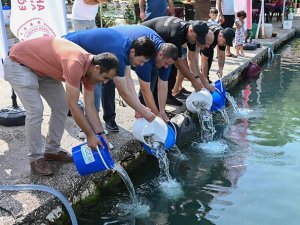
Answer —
(97, 96)
(83, 24)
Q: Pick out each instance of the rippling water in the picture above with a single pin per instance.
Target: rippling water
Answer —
(249, 174)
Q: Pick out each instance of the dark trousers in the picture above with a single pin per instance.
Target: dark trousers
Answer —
(229, 21)
(153, 87)
(108, 101)
(172, 79)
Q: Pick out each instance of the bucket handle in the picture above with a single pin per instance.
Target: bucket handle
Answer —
(174, 127)
(103, 161)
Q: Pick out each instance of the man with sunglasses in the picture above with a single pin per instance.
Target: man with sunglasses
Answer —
(36, 68)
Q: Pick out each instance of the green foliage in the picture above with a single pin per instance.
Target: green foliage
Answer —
(129, 15)
(5, 2)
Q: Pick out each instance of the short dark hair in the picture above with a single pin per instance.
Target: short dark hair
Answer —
(169, 50)
(106, 61)
(213, 10)
(144, 46)
(241, 13)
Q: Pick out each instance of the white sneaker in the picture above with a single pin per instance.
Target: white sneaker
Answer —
(81, 135)
(111, 145)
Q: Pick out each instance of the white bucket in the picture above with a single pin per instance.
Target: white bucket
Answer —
(268, 28)
(290, 16)
(202, 97)
(287, 24)
(158, 128)
(6, 14)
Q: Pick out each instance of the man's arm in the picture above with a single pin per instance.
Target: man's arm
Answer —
(192, 60)
(171, 7)
(77, 114)
(221, 61)
(184, 69)
(126, 89)
(219, 7)
(93, 2)
(142, 5)
(148, 96)
(162, 92)
(204, 75)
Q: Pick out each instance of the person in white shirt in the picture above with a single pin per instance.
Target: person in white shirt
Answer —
(84, 13)
(227, 18)
(213, 15)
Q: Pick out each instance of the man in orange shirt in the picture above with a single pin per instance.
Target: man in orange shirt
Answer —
(35, 68)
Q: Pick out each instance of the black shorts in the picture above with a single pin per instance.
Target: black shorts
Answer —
(229, 21)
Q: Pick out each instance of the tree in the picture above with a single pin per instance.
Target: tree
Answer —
(202, 9)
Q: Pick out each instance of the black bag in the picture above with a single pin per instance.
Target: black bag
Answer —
(184, 126)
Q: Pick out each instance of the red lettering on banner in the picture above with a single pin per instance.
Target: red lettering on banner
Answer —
(22, 7)
(41, 7)
(21, 1)
(33, 7)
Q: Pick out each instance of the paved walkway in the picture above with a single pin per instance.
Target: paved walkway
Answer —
(32, 207)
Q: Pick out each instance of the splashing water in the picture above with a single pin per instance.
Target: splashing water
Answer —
(206, 120)
(171, 189)
(232, 102)
(176, 152)
(224, 115)
(138, 210)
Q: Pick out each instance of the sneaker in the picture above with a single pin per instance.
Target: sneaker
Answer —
(41, 167)
(81, 135)
(180, 95)
(112, 126)
(110, 145)
(61, 156)
(171, 100)
(184, 91)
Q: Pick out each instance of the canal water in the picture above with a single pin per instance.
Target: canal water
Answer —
(248, 174)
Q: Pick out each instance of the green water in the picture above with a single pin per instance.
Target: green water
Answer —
(250, 173)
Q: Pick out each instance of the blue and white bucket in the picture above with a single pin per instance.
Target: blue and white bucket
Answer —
(169, 142)
(158, 129)
(89, 161)
(219, 96)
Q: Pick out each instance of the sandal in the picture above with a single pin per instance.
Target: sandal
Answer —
(231, 55)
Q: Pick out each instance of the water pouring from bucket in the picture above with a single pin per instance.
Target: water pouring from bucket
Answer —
(154, 135)
(89, 161)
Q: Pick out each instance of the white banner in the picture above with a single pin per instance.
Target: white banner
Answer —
(3, 42)
(38, 18)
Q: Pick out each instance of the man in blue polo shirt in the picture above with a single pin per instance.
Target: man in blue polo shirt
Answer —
(156, 70)
(129, 53)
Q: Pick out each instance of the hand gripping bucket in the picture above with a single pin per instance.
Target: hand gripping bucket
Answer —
(169, 142)
(202, 97)
(160, 131)
(90, 161)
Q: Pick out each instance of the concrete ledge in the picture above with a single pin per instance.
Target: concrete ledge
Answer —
(36, 207)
